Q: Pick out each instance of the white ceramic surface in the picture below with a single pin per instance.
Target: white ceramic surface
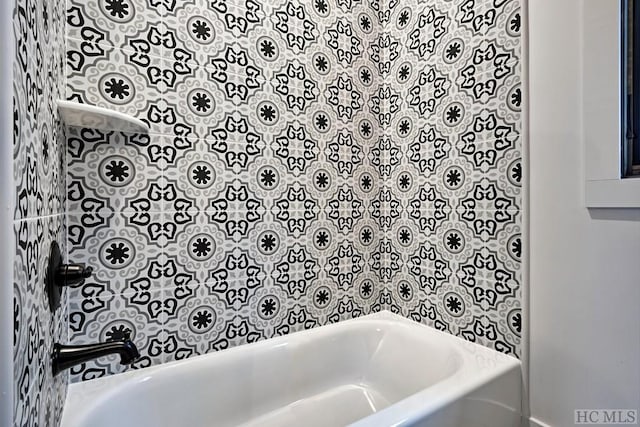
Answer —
(89, 116)
(379, 370)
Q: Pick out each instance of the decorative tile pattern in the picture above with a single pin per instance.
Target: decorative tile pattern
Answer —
(309, 162)
(236, 219)
(452, 210)
(113, 78)
(126, 24)
(39, 180)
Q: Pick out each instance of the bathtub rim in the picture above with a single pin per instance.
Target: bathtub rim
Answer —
(463, 380)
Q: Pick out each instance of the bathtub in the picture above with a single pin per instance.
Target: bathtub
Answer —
(378, 370)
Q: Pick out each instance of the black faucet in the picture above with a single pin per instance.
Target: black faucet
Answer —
(66, 356)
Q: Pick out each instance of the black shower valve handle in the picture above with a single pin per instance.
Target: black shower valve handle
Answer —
(60, 275)
(72, 274)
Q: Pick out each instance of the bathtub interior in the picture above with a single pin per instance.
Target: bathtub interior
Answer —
(327, 377)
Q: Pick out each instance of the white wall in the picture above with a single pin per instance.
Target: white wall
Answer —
(585, 265)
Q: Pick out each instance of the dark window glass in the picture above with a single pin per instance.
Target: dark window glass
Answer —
(631, 88)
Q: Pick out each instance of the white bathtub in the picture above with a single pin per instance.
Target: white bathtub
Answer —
(379, 370)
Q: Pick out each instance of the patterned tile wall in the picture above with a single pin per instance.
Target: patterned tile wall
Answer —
(39, 179)
(249, 211)
(308, 162)
(450, 156)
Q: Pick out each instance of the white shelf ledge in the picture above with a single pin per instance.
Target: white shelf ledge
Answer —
(613, 193)
(89, 116)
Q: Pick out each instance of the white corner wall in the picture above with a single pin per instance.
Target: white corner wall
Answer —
(6, 213)
(585, 264)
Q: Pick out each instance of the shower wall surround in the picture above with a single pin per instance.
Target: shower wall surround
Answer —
(247, 212)
(39, 182)
(308, 162)
(450, 158)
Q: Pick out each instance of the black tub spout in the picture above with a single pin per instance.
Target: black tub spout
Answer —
(66, 356)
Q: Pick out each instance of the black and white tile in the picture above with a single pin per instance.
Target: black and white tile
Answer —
(39, 170)
(236, 214)
(308, 162)
(461, 148)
